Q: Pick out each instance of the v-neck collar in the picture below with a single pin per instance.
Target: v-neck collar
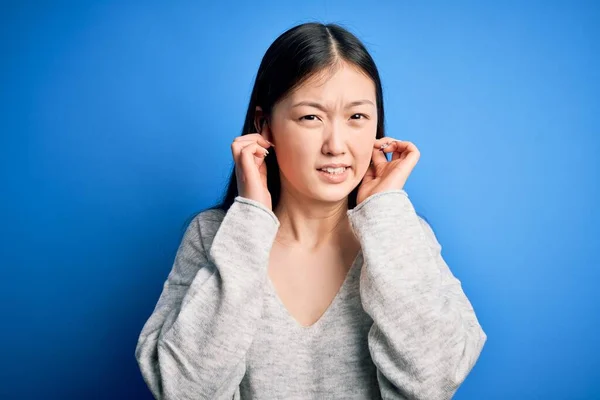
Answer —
(272, 293)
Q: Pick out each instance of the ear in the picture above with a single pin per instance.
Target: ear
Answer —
(260, 121)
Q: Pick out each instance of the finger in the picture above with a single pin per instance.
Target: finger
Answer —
(265, 133)
(254, 137)
(402, 150)
(398, 148)
(378, 157)
(252, 147)
(250, 158)
(239, 145)
(384, 142)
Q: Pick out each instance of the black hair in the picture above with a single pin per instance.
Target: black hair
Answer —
(295, 56)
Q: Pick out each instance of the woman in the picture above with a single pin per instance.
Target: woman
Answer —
(315, 278)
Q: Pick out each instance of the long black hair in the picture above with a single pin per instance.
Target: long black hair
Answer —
(295, 56)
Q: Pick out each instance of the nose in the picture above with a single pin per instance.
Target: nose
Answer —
(334, 142)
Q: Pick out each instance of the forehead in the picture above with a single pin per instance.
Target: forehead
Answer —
(345, 82)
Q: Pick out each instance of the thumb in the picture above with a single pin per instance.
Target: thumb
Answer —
(370, 174)
(378, 157)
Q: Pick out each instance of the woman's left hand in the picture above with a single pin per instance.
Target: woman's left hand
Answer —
(385, 175)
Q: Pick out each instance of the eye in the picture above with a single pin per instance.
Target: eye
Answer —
(359, 115)
(311, 117)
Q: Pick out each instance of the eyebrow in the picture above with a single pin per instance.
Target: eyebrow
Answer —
(322, 107)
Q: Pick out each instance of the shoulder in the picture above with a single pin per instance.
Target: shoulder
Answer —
(207, 218)
(429, 233)
(204, 226)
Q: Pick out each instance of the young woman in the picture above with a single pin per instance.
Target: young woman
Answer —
(315, 278)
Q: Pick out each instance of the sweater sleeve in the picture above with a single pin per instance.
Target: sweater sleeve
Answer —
(193, 345)
(425, 337)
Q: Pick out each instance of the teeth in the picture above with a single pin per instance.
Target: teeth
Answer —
(334, 171)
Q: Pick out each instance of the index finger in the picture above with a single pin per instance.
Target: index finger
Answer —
(254, 137)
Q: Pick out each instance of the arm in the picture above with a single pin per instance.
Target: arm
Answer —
(425, 337)
(193, 346)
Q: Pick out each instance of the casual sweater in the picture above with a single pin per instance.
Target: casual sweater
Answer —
(400, 326)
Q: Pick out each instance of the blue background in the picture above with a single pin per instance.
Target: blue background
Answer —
(116, 121)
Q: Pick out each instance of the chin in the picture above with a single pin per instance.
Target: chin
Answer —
(332, 193)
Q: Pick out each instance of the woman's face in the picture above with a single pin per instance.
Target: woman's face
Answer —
(329, 120)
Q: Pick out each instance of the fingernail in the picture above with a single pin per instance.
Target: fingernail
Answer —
(266, 152)
(271, 143)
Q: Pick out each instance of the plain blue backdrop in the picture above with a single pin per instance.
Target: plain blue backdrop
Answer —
(116, 121)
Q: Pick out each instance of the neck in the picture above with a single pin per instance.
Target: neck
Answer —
(311, 224)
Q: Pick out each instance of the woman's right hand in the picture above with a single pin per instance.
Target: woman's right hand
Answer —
(249, 152)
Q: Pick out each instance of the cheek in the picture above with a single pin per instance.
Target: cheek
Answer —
(295, 159)
(295, 152)
(364, 150)
(362, 155)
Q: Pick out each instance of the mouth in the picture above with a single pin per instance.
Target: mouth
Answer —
(334, 171)
(334, 174)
